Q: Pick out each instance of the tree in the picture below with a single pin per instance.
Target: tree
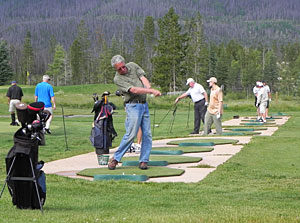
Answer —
(251, 68)
(271, 73)
(197, 54)
(57, 68)
(139, 53)
(5, 68)
(76, 58)
(27, 60)
(168, 67)
(222, 67)
(149, 34)
(106, 71)
(86, 55)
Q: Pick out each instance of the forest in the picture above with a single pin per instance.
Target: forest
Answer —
(239, 42)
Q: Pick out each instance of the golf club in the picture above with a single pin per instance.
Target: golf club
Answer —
(63, 118)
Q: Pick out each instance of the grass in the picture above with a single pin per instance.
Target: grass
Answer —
(259, 184)
(153, 171)
(169, 159)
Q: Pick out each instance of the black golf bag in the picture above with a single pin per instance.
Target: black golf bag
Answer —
(103, 131)
(25, 179)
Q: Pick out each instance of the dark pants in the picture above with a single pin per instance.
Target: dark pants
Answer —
(199, 114)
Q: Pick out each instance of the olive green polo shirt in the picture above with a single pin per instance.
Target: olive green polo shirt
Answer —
(129, 80)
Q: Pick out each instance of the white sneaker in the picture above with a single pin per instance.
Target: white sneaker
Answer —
(137, 148)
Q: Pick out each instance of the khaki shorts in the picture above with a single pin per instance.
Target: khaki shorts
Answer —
(49, 109)
(12, 105)
(262, 107)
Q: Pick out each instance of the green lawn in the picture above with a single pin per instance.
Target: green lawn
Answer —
(259, 184)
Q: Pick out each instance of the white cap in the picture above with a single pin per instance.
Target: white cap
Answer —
(189, 81)
(212, 79)
(260, 84)
(46, 77)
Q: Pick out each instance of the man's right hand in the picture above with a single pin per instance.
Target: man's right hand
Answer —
(156, 93)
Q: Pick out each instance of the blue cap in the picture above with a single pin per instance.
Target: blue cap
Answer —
(13, 82)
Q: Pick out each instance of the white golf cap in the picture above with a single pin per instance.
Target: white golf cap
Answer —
(189, 81)
(46, 77)
(260, 84)
(212, 79)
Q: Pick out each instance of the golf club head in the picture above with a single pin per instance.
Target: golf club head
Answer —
(95, 96)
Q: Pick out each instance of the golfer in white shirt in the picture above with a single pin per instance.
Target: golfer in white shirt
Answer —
(199, 97)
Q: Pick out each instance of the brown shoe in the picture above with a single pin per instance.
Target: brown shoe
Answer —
(143, 166)
(112, 163)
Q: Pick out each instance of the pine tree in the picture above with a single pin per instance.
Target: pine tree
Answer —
(106, 71)
(57, 68)
(27, 60)
(168, 67)
(5, 68)
(85, 45)
(197, 54)
(139, 53)
(149, 34)
(76, 58)
(222, 67)
(271, 73)
(251, 69)
(52, 45)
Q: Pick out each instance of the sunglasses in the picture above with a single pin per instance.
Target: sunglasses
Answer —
(121, 68)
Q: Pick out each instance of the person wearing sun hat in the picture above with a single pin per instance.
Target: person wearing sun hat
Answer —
(215, 108)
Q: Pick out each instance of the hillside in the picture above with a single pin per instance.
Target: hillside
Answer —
(251, 21)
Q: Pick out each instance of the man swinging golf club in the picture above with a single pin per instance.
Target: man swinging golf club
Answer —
(131, 81)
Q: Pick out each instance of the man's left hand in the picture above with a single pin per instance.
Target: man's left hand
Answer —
(54, 107)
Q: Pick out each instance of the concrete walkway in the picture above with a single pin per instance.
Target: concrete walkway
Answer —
(221, 153)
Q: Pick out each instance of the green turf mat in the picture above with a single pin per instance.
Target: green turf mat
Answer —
(252, 124)
(150, 163)
(233, 134)
(187, 149)
(121, 177)
(196, 144)
(169, 159)
(166, 152)
(215, 141)
(153, 171)
(241, 129)
(256, 128)
(279, 114)
(241, 133)
(247, 120)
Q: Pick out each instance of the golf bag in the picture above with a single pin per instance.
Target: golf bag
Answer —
(25, 179)
(103, 131)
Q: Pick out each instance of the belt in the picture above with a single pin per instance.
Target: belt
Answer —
(199, 100)
(135, 101)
